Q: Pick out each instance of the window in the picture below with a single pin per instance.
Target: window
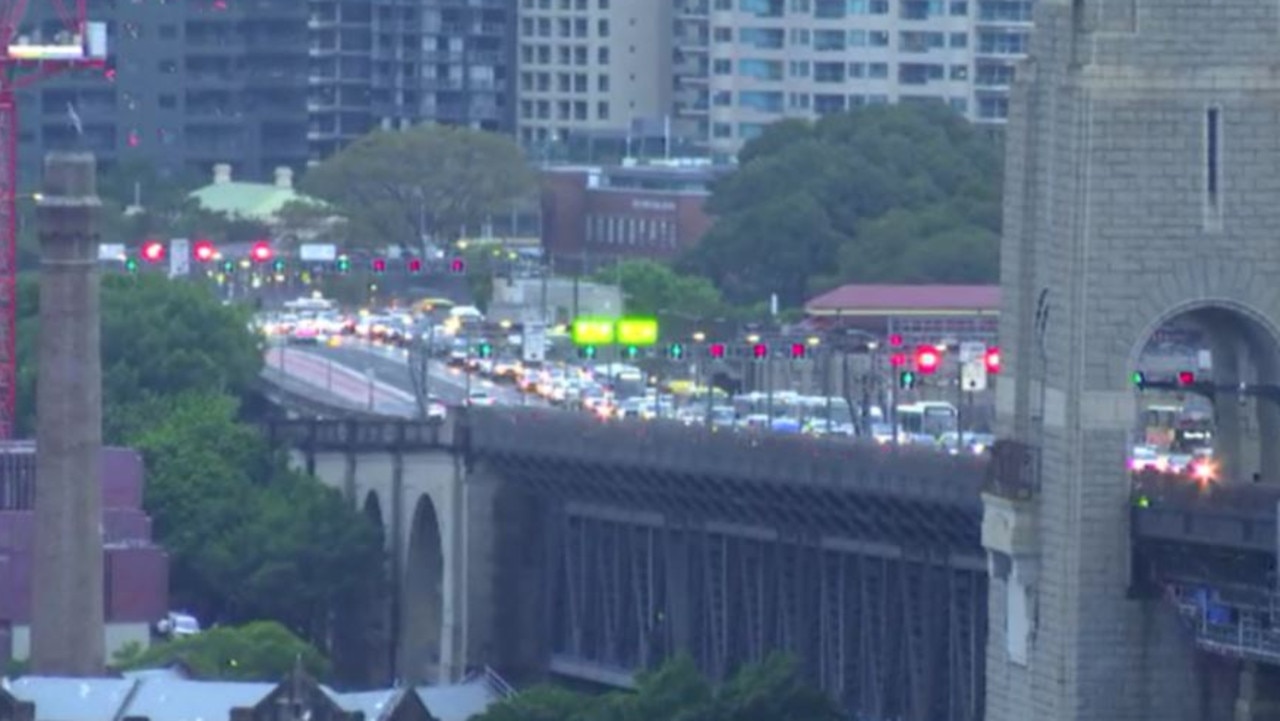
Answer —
(1213, 158)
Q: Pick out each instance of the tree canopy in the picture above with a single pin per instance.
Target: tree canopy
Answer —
(769, 691)
(901, 193)
(651, 288)
(248, 538)
(262, 651)
(389, 184)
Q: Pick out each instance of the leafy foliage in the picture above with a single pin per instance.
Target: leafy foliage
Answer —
(903, 193)
(247, 537)
(769, 691)
(262, 651)
(389, 182)
(651, 288)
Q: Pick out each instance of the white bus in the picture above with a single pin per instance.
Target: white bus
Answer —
(927, 418)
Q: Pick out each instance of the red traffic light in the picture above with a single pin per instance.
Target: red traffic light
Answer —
(415, 265)
(153, 251)
(897, 360)
(458, 265)
(379, 265)
(1186, 378)
(798, 350)
(261, 252)
(204, 251)
(992, 360)
(716, 350)
(759, 350)
(895, 340)
(927, 359)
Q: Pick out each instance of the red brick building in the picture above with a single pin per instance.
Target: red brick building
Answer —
(597, 215)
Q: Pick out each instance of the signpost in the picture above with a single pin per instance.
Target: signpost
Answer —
(973, 368)
(534, 342)
(179, 257)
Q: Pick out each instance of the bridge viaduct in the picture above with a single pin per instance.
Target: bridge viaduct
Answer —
(1143, 170)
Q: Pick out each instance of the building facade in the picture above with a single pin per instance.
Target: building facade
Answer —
(392, 64)
(263, 84)
(595, 216)
(595, 68)
(743, 64)
(136, 569)
(186, 85)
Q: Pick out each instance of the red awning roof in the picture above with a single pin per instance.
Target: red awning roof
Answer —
(889, 300)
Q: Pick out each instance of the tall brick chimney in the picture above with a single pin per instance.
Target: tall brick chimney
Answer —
(67, 625)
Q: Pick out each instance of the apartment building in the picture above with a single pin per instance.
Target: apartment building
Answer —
(393, 64)
(743, 64)
(263, 84)
(592, 68)
(187, 85)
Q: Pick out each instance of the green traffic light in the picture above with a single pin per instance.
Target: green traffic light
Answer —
(631, 351)
(676, 351)
(907, 379)
(587, 351)
(484, 350)
(344, 264)
(278, 266)
(1139, 378)
(131, 265)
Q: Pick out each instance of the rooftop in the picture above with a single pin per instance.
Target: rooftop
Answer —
(169, 696)
(903, 300)
(252, 201)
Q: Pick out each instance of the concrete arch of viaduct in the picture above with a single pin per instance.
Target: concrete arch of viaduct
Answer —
(417, 499)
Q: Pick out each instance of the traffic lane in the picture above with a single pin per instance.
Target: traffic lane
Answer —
(329, 377)
(448, 384)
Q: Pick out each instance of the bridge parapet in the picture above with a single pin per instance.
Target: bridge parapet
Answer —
(361, 435)
(1173, 508)
(907, 473)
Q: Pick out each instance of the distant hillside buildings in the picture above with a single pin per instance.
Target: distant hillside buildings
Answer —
(263, 84)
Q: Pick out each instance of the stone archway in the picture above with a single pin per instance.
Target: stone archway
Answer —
(1233, 351)
(422, 612)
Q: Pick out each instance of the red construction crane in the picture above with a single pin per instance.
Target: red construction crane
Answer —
(28, 59)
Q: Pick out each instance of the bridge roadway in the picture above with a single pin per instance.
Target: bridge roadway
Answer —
(629, 541)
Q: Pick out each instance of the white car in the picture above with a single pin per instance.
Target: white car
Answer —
(480, 398)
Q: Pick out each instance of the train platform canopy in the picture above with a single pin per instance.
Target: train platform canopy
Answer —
(898, 301)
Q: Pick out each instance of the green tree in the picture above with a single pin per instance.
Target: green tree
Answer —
(159, 337)
(260, 651)
(772, 690)
(651, 288)
(389, 184)
(882, 194)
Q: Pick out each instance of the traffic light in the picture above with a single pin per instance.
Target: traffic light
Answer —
(1186, 378)
(897, 360)
(907, 380)
(927, 359)
(204, 251)
(716, 350)
(587, 352)
(675, 351)
(228, 266)
(414, 265)
(759, 350)
(277, 265)
(344, 264)
(458, 265)
(484, 350)
(798, 350)
(379, 265)
(992, 360)
(630, 352)
(153, 251)
(261, 252)
(895, 340)
(1139, 379)
(131, 265)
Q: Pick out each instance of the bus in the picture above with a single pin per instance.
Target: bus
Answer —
(1157, 425)
(927, 418)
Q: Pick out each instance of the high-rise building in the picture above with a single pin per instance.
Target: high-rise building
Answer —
(188, 84)
(741, 65)
(263, 84)
(595, 69)
(396, 63)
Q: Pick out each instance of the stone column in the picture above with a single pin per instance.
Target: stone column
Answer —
(67, 625)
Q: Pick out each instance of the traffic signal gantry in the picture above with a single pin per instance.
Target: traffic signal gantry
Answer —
(152, 252)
